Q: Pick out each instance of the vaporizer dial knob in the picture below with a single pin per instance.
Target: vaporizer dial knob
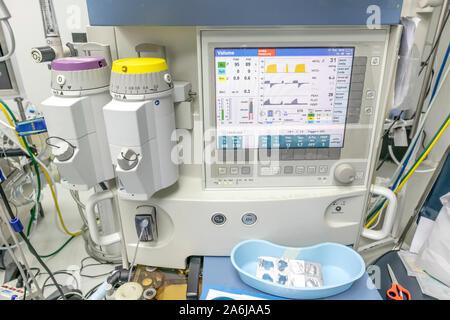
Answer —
(127, 159)
(139, 76)
(344, 173)
(64, 151)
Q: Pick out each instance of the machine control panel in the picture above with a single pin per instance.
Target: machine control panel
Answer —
(290, 114)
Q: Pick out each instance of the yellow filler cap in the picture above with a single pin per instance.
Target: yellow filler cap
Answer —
(139, 65)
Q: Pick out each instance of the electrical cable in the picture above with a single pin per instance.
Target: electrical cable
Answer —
(441, 69)
(392, 155)
(425, 153)
(45, 170)
(29, 245)
(417, 163)
(135, 254)
(75, 195)
(26, 149)
(382, 205)
(65, 272)
(382, 161)
(59, 249)
(16, 261)
(16, 241)
(396, 119)
(96, 253)
(84, 266)
(36, 275)
(400, 169)
(425, 63)
(13, 246)
(91, 291)
(6, 153)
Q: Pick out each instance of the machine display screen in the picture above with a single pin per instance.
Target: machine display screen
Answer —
(282, 98)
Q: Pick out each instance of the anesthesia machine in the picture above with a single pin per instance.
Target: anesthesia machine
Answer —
(264, 132)
(192, 126)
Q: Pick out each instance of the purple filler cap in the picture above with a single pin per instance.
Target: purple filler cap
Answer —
(78, 63)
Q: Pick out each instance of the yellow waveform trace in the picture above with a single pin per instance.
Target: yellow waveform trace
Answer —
(271, 68)
(300, 68)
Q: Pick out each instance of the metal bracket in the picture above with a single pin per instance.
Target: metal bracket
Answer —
(156, 50)
(88, 47)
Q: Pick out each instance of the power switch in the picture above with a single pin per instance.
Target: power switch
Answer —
(145, 221)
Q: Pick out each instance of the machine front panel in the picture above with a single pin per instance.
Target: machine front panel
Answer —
(284, 108)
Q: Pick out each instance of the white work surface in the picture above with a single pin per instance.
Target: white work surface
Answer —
(48, 237)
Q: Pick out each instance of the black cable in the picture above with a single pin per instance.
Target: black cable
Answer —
(55, 146)
(382, 161)
(84, 266)
(429, 85)
(425, 63)
(10, 152)
(426, 93)
(397, 118)
(91, 291)
(423, 140)
(30, 282)
(45, 285)
(29, 245)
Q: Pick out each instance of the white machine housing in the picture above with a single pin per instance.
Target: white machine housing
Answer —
(209, 210)
(76, 126)
(141, 134)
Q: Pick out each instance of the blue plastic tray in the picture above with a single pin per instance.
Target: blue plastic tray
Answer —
(341, 266)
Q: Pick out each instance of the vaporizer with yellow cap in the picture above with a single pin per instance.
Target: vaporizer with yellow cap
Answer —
(140, 124)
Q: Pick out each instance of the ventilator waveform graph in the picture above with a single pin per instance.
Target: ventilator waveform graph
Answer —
(286, 68)
(281, 91)
(286, 76)
(287, 84)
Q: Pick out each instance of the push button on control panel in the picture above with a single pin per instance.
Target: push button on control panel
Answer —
(245, 170)
(323, 169)
(218, 219)
(234, 170)
(288, 169)
(249, 219)
(300, 170)
(311, 170)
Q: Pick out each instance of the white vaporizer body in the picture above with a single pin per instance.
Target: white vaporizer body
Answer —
(74, 118)
(140, 124)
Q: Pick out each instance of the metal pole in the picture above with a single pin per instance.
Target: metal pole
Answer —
(23, 117)
(429, 69)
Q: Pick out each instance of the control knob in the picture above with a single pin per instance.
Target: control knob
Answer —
(64, 151)
(344, 173)
(127, 159)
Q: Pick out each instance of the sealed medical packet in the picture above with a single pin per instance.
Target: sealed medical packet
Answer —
(290, 272)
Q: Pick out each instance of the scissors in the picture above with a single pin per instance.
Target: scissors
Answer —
(396, 291)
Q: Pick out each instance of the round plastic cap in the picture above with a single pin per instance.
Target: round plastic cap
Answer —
(78, 63)
(139, 65)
